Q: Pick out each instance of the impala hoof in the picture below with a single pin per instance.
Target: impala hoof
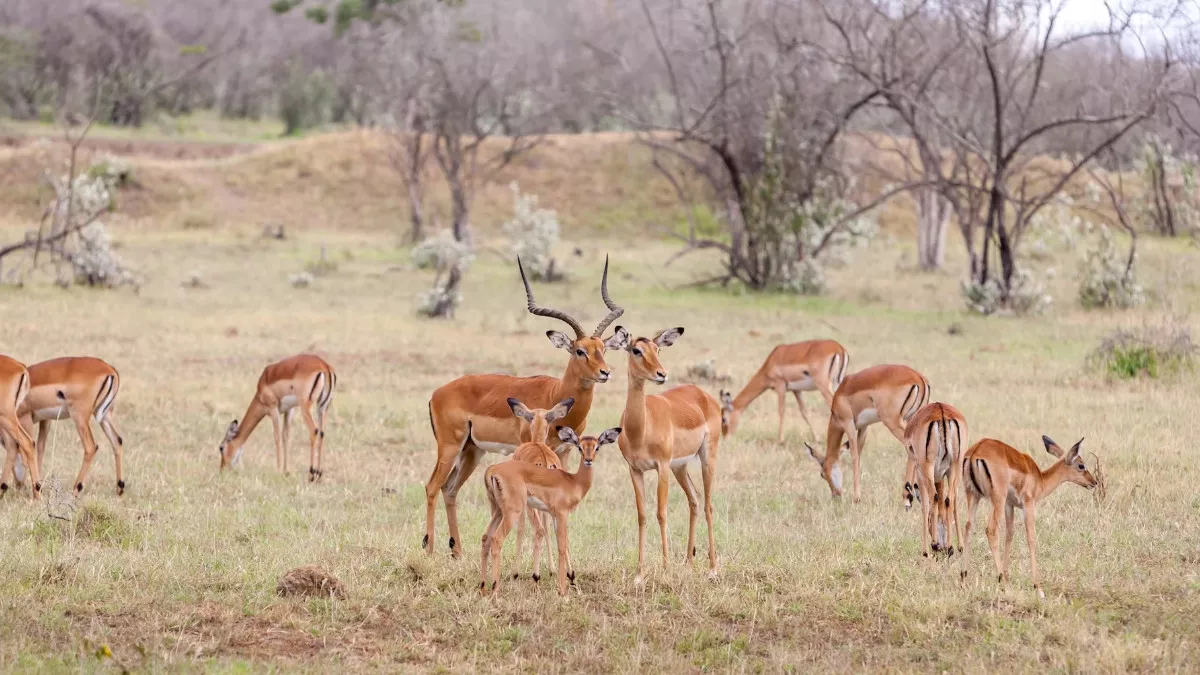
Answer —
(120, 488)
(425, 542)
(537, 578)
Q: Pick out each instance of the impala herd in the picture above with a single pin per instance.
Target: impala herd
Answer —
(665, 433)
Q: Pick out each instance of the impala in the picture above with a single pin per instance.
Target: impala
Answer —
(81, 388)
(665, 433)
(14, 385)
(889, 394)
(1012, 480)
(536, 452)
(813, 365)
(470, 417)
(304, 381)
(934, 439)
(511, 486)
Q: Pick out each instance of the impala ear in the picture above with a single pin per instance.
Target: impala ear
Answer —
(559, 339)
(668, 336)
(560, 411)
(231, 431)
(609, 436)
(813, 453)
(568, 435)
(1074, 452)
(520, 410)
(1052, 447)
(726, 400)
(618, 341)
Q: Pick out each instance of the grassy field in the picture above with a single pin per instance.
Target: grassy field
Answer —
(180, 573)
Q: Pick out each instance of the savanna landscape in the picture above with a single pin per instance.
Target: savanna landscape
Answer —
(242, 241)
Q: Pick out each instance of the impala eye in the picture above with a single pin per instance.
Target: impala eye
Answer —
(580, 352)
(1080, 467)
(637, 351)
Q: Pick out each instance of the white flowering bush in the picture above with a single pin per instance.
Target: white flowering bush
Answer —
(93, 261)
(1169, 203)
(1106, 279)
(450, 258)
(1027, 297)
(533, 233)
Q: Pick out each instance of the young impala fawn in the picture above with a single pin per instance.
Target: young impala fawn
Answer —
(1012, 480)
(511, 486)
(537, 453)
(934, 438)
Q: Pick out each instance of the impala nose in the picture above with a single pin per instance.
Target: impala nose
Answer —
(660, 377)
(603, 376)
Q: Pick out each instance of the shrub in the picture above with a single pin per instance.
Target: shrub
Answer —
(1152, 350)
(1027, 297)
(450, 258)
(533, 234)
(1107, 281)
(93, 261)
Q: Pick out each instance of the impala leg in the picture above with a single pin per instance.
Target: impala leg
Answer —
(1008, 536)
(118, 446)
(277, 422)
(928, 507)
(321, 411)
(639, 499)
(955, 487)
(10, 461)
(84, 428)
(447, 455)
(858, 438)
(560, 536)
(468, 460)
(781, 394)
(689, 489)
(910, 481)
(506, 524)
(804, 413)
(972, 503)
(993, 533)
(314, 436)
(485, 545)
(897, 427)
(1031, 541)
(17, 441)
(708, 473)
(539, 539)
(521, 538)
(43, 437)
(664, 484)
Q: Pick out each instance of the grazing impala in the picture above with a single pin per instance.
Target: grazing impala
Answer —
(303, 381)
(665, 433)
(511, 486)
(1012, 480)
(14, 385)
(81, 388)
(536, 452)
(813, 365)
(890, 394)
(470, 415)
(934, 439)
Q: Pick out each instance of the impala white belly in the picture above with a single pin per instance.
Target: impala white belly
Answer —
(538, 504)
(803, 384)
(56, 413)
(491, 446)
(680, 462)
(644, 464)
(866, 417)
(288, 402)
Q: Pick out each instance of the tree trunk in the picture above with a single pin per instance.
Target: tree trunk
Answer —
(459, 211)
(933, 217)
(416, 222)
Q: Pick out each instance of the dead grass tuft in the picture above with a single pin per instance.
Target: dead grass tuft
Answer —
(310, 581)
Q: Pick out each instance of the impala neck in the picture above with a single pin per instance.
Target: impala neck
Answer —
(577, 385)
(1051, 478)
(254, 414)
(582, 479)
(633, 421)
(753, 389)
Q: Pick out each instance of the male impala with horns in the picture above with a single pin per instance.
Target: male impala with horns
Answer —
(470, 416)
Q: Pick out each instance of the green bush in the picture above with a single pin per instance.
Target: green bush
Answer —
(1152, 351)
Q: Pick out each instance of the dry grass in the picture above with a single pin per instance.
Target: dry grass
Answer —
(181, 572)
